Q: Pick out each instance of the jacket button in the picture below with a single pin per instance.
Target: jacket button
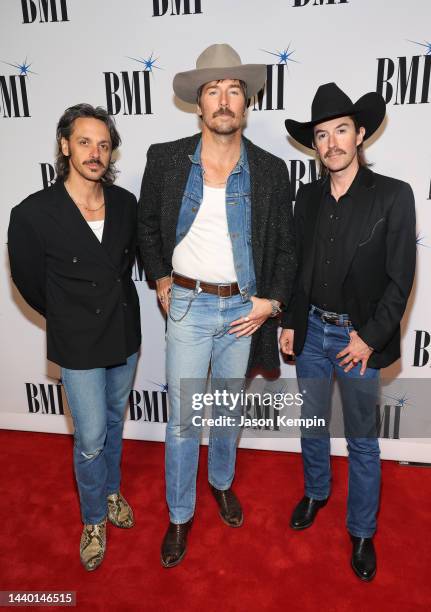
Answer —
(118, 280)
(125, 304)
(93, 284)
(98, 311)
(74, 260)
(126, 251)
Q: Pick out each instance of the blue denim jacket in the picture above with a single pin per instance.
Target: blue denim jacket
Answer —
(238, 212)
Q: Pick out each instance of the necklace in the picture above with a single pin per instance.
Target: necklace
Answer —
(93, 209)
(213, 183)
(83, 205)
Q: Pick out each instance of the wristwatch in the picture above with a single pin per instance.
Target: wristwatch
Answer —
(275, 308)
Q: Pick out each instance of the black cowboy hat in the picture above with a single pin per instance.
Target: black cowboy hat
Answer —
(331, 102)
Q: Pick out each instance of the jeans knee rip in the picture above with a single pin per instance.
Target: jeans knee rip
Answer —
(92, 455)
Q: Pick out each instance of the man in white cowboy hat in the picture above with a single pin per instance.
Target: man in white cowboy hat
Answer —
(215, 233)
(356, 250)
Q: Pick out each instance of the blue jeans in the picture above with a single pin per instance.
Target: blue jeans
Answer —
(315, 367)
(97, 401)
(197, 337)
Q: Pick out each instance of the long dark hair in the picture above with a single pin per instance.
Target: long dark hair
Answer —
(323, 170)
(64, 130)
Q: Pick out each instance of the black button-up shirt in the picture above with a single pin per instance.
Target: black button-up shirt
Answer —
(334, 218)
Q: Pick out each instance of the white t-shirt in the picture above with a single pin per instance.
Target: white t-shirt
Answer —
(205, 253)
(97, 227)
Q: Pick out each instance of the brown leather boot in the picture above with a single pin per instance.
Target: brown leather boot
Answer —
(229, 506)
(175, 543)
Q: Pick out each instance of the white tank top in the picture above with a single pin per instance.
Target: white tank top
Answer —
(205, 253)
(97, 227)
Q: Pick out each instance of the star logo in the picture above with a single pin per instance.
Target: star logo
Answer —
(425, 44)
(163, 387)
(24, 68)
(401, 401)
(149, 63)
(283, 56)
(420, 241)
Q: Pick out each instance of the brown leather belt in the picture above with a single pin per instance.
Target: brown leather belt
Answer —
(223, 290)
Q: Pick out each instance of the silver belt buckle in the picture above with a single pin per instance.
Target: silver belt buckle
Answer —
(224, 285)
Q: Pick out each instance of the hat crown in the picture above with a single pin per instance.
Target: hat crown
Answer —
(218, 56)
(329, 101)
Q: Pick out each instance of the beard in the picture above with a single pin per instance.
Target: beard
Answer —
(223, 128)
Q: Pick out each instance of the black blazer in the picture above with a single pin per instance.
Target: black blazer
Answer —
(163, 184)
(379, 267)
(82, 287)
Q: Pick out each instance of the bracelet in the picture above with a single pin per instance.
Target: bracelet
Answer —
(275, 308)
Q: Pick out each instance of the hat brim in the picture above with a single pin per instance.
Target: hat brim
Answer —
(186, 84)
(369, 112)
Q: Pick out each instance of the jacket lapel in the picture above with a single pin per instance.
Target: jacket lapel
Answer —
(114, 219)
(174, 183)
(259, 193)
(68, 216)
(363, 196)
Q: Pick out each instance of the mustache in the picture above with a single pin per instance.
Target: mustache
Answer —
(334, 151)
(223, 111)
(94, 161)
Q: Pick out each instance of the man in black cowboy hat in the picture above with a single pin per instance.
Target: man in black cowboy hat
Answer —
(356, 251)
(215, 233)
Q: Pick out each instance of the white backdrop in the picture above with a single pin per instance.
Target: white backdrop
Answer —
(70, 51)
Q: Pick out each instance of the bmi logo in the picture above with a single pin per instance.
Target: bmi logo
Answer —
(271, 96)
(301, 172)
(129, 91)
(44, 11)
(422, 352)
(318, 2)
(137, 272)
(44, 398)
(161, 7)
(48, 174)
(13, 91)
(405, 80)
(388, 421)
(151, 406)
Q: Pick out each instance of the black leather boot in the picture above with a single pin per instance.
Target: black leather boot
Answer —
(364, 562)
(305, 512)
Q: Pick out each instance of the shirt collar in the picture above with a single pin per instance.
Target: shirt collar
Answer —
(242, 162)
(352, 190)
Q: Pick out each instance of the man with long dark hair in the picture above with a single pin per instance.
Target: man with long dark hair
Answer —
(356, 248)
(71, 250)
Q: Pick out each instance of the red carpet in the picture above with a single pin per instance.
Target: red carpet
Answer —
(262, 566)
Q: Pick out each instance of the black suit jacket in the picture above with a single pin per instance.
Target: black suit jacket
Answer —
(379, 266)
(163, 184)
(82, 287)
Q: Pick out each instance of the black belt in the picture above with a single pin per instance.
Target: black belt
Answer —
(222, 290)
(332, 318)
